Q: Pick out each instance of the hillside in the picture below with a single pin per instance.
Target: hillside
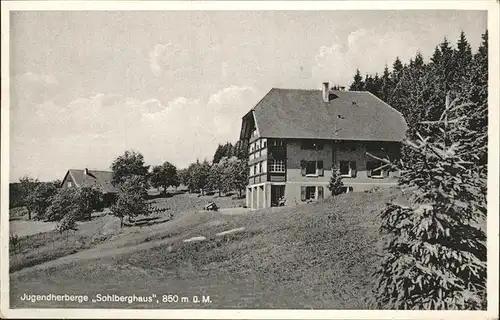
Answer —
(318, 255)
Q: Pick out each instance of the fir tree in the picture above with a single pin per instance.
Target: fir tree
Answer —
(419, 60)
(435, 255)
(358, 84)
(462, 58)
(386, 85)
(477, 93)
(397, 68)
(369, 83)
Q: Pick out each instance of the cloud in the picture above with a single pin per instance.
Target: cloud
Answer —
(363, 49)
(33, 87)
(167, 57)
(40, 78)
(192, 128)
(92, 131)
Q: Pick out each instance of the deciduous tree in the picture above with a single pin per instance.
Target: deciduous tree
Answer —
(129, 164)
(40, 199)
(164, 175)
(131, 199)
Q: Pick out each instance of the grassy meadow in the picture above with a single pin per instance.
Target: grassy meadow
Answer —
(318, 255)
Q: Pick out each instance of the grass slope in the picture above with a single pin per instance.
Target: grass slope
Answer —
(317, 255)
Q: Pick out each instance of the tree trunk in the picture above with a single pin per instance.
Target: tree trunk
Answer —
(90, 211)
(165, 189)
(121, 222)
(29, 215)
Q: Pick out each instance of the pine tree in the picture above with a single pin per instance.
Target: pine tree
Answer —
(377, 84)
(419, 60)
(397, 68)
(477, 92)
(358, 84)
(440, 76)
(369, 83)
(463, 61)
(386, 85)
(435, 255)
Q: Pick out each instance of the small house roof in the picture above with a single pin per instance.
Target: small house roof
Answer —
(94, 178)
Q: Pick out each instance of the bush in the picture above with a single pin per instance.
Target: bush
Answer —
(336, 186)
(14, 242)
(68, 222)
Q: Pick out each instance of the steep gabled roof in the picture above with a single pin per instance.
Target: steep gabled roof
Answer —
(95, 178)
(351, 115)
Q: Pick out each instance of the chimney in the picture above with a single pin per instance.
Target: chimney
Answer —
(326, 92)
(86, 172)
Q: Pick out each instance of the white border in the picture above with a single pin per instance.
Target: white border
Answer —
(493, 169)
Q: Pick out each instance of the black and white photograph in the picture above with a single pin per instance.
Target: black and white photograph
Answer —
(280, 160)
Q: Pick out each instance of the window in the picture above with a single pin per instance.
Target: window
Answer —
(276, 166)
(374, 169)
(260, 167)
(307, 193)
(310, 193)
(344, 168)
(265, 143)
(312, 168)
(312, 145)
(70, 184)
(348, 169)
(255, 169)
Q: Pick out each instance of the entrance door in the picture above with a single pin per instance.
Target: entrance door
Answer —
(277, 192)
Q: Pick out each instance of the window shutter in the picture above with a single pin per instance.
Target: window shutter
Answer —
(352, 164)
(303, 193)
(319, 167)
(368, 173)
(303, 165)
(320, 193)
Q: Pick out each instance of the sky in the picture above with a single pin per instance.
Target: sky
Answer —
(86, 86)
